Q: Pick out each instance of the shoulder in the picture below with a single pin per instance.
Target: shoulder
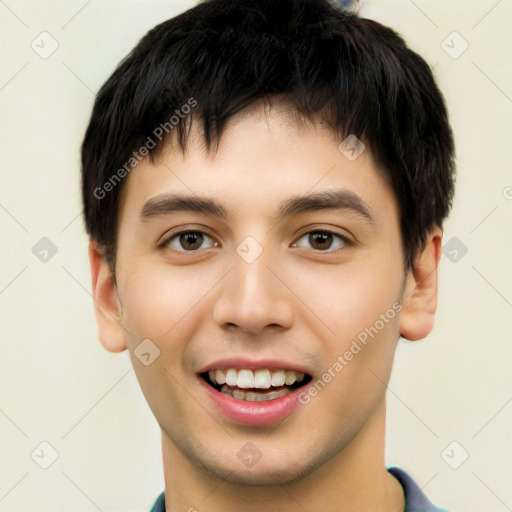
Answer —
(159, 505)
(415, 498)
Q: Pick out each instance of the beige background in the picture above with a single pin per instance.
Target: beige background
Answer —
(58, 385)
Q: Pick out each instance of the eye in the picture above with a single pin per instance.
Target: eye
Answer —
(321, 240)
(188, 241)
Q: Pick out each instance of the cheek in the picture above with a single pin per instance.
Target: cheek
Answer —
(366, 322)
(162, 302)
(349, 298)
(357, 369)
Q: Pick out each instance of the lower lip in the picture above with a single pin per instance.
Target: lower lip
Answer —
(254, 413)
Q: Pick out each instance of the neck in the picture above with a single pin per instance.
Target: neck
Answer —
(352, 480)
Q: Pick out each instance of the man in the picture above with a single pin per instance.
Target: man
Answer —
(264, 186)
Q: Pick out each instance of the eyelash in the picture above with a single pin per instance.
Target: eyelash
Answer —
(166, 243)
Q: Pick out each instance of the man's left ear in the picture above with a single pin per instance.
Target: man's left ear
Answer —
(419, 300)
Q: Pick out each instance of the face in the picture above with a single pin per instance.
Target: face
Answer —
(272, 304)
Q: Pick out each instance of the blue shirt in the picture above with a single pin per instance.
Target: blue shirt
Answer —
(415, 499)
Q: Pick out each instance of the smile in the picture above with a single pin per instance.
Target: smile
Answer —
(259, 385)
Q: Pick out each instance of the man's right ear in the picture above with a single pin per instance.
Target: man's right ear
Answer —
(107, 307)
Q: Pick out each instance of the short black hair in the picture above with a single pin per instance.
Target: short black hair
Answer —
(212, 61)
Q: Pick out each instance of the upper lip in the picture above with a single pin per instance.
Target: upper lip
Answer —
(254, 364)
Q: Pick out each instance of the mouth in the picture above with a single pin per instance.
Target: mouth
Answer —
(258, 385)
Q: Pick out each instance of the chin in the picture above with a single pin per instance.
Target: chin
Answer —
(268, 472)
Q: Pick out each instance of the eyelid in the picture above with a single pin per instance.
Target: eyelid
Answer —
(179, 230)
(346, 240)
(343, 233)
(164, 241)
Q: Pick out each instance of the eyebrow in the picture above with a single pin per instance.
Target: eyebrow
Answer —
(339, 199)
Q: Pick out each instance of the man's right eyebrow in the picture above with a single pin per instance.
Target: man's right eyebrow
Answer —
(168, 203)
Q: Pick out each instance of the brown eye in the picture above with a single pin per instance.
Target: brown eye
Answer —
(188, 241)
(191, 240)
(322, 240)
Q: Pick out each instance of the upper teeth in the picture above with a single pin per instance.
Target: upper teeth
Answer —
(259, 379)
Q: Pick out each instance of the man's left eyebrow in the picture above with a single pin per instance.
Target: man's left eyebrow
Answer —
(335, 199)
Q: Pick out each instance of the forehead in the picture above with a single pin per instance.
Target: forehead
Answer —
(264, 156)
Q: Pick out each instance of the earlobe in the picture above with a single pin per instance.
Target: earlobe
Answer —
(419, 300)
(106, 304)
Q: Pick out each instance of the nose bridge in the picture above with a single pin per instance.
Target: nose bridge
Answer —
(252, 297)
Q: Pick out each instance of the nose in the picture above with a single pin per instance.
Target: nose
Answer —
(253, 297)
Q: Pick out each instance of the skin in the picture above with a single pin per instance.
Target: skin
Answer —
(297, 302)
